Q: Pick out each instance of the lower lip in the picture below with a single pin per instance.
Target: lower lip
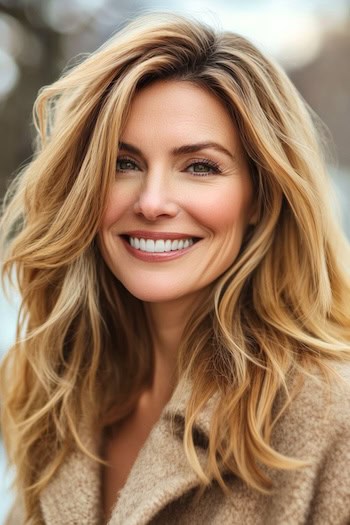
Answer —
(156, 256)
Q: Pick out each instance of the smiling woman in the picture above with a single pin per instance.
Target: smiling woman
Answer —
(191, 203)
(183, 349)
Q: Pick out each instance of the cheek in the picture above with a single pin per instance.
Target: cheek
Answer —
(223, 208)
(118, 203)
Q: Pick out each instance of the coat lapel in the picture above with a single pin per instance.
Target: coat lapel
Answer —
(160, 474)
(73, 495)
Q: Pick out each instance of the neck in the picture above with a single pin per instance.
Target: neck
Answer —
(167, 321)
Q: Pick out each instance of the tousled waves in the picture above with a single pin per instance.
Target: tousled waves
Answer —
(282, 309)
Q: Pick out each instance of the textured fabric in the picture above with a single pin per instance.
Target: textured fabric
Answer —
(161, 485)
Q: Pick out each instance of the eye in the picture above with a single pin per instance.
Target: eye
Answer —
(204, 167)
(125, 164)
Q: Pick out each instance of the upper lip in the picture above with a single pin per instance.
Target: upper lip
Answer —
(142, 234)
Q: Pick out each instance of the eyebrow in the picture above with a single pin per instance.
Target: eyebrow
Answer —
(186, 148)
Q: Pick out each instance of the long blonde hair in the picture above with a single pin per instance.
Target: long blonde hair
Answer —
(83, 344)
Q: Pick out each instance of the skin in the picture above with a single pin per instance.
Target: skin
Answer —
(156, 190)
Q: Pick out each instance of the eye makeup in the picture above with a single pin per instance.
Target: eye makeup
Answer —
(211, 167)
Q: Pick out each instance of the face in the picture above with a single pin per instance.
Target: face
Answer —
(182, 197)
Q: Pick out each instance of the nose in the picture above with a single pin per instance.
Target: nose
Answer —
(156, 198)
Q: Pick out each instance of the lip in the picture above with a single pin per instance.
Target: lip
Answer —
(143, 234)
(156, 256)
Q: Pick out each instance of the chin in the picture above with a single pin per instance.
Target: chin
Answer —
(150, 296)
(154, 293)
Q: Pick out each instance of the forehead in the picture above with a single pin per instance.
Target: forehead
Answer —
(179, 111)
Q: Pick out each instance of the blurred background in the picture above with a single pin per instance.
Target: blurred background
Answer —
(309, 38)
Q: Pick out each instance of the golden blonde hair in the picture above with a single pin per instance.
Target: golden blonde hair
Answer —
(83, 344)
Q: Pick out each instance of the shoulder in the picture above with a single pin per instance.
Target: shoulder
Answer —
(319, 411)
(325, 400)
(315, 428)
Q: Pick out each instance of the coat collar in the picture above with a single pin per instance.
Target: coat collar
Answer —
(160, 474)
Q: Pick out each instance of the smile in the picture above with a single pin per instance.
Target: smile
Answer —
(160, 245)
(158, 250)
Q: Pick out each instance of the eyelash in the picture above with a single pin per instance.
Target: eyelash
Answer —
(205, 162)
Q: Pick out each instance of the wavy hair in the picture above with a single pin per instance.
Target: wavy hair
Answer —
(83, 344)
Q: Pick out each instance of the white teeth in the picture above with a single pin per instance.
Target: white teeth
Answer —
(149, 245)
(160, 245)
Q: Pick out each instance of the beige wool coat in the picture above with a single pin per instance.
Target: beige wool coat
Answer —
(161, 484)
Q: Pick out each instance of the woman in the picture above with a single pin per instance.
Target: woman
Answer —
(183, 346)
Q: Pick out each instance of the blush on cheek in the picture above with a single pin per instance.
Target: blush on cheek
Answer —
(110, 213)
(221, 210)
(118, 203)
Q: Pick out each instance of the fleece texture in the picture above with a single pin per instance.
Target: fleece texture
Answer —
(161, 486)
